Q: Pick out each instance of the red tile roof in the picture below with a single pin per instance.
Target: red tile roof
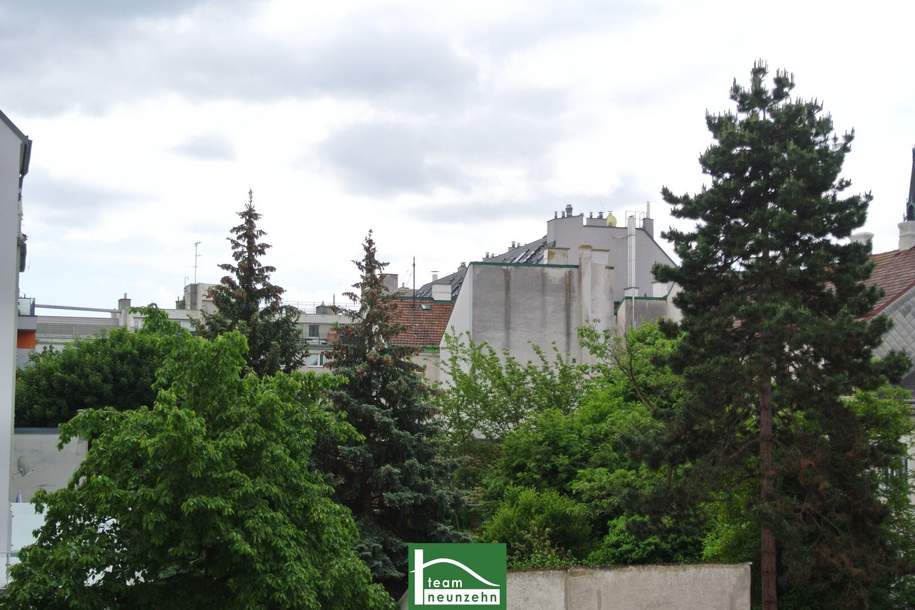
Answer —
(424, 321)
(894, 272)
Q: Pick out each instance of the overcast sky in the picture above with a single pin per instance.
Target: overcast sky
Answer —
(451, 129)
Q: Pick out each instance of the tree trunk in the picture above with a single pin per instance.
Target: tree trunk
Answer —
(769, 576)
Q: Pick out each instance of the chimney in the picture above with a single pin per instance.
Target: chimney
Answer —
(441, 291)
(124, 311)
(434, 276)
(389, 280)
(568, 210)
(906, 234)
(648, 221)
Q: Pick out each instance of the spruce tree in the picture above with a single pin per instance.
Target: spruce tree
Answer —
(772, 301)
(393, 479)
(248, 302)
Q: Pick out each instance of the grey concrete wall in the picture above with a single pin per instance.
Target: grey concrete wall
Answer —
(515, 306)
(459, 324)
(38, 464)
(429, 361)
(568, 234)
(681, 587)
(690, 587)
(646, 310)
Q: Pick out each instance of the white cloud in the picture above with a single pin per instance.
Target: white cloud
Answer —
(452, 129)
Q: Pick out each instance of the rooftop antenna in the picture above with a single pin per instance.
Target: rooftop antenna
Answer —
(196, 256)
(414, 282)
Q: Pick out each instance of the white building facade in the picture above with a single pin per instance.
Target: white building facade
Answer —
(585, 272)
(15, 152)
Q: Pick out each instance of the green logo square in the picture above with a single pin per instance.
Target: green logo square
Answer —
(456, 576)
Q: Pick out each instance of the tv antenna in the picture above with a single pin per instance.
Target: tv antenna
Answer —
(196, 256)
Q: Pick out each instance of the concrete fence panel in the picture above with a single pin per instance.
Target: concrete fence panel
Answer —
(669, 587)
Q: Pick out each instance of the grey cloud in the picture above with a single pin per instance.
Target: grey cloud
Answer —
(90, 10)
(480, 212)
(627, 195)
(417, 155)
(207, 147)
(57, 64)
(379, 61)
(547, 20)
(384, 159)
(63, 55)
(71, 202)
(685, 81)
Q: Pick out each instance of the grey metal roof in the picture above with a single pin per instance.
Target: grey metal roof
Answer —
(531, 253)
(908, 382)
(26, 144)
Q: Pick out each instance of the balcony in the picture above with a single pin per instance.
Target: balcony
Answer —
(26, 306)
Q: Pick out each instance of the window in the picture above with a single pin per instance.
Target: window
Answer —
(314, 331)
(314, 360)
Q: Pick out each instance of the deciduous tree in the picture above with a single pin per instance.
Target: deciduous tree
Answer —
(117, 370)
(206, 499)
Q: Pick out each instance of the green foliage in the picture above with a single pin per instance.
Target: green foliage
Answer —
(488, 395)
(248, 302)
(594, 453)
(115, 370)
(395, 482)
(773, 305)
(641, 539)
(208, 499)
(540, 526)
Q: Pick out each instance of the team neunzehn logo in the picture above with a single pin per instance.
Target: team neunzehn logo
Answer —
(456, 575)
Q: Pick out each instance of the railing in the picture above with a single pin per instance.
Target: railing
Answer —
(315, 308)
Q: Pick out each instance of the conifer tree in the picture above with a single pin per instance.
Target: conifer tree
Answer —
(393, 480)
(773, 303)
(248, 302)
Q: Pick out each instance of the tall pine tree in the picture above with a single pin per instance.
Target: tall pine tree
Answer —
(248, 302)
(393, 481)
(772, 305)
